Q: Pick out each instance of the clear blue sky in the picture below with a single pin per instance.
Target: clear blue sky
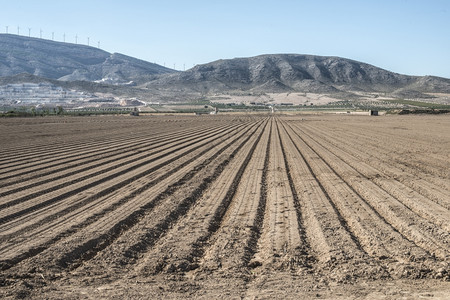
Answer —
(405, 36)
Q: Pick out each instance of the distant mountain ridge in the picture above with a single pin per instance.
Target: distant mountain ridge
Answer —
(296, 72)
(68, 62)
(92, 69)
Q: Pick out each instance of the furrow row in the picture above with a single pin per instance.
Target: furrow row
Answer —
(131, 248)
(118, 204)
(428, 186)
(421, 205)
(76, 158)
(182, 248)
(97, 165)
(35, 153)
(74, 128)
(414, 160)
(280, 243)
(233, 245)
(384, 210)
(141, 165)
(326, 229)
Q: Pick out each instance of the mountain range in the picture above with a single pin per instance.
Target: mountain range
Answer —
(295, 72)
(94, 68)
(70, 62)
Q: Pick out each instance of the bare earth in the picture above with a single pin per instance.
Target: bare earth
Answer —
(228, 206)
(277, 99)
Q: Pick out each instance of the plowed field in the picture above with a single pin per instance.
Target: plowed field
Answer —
(226, 206)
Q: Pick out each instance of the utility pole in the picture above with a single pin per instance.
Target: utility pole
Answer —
(18, 30)
(88, 41)
(64, 37)
(53, 36)
(29, 32)
(40, 33)
(76, 39)
(98, 44)
(6, 29)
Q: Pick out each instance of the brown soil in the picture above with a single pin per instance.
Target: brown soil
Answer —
(226, 206)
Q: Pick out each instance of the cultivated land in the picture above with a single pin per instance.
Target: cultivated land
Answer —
(226, 206)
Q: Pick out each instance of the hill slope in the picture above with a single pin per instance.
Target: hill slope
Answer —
(294, 72)
(65, 61)
(273, 73)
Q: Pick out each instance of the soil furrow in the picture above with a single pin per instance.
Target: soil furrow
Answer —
(388, 209)
(77, 185)
(234, 243)
(234, 205)
(110, 207)
(110, 182)
(389, 151)
(78, 160)
(372, 232)
(415, 201)
(175, 202)
(386, 166)
(330, 238)
(20, 153)
(188, 237)
(85, 148)
(86, 250)
(280, 245)
(89, 165)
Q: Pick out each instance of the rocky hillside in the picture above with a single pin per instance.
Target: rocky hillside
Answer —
(92, 69)
(68, 62)
(292, 72)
